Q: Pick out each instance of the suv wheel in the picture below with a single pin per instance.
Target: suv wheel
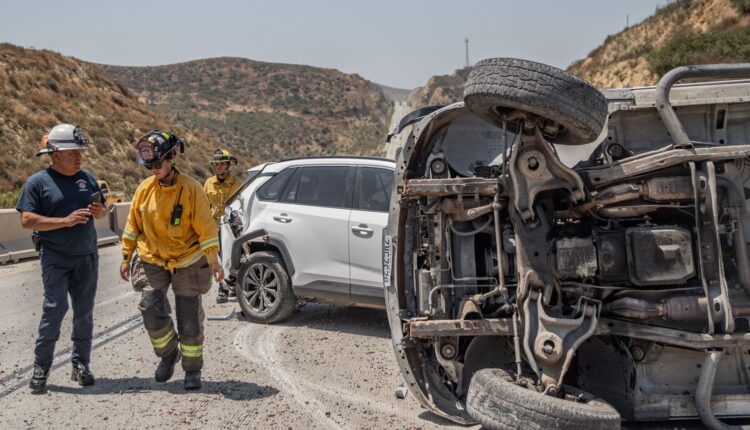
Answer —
(499, 85)
(264, 289)
(497, 402)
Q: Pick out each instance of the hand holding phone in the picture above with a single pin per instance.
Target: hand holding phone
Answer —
(96, 197)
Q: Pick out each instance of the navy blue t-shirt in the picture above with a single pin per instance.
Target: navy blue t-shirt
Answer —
(52, 194)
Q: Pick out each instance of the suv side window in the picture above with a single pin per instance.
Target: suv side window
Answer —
(320, 186)
(271, 189)
(373, 189)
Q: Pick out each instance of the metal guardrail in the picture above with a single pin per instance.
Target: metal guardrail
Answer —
(15, 241)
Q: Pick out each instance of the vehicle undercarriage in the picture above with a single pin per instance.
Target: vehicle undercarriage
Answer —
(617, 286)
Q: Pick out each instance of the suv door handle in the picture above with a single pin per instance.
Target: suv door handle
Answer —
(362, 231)
(283, 218)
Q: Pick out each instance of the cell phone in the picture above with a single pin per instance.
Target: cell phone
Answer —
(96, 197)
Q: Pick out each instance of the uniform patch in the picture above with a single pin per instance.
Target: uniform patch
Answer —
(82, 185)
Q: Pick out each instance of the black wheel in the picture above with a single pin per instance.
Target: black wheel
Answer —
(264, 289)
(497, 402)
(499, 85)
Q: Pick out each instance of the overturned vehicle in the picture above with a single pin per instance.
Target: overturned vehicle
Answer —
(563, 257)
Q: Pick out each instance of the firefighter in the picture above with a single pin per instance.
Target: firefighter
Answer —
(170, 239)
(59, 204)
(219, 188)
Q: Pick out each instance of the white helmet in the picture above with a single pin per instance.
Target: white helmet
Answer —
(63, 137)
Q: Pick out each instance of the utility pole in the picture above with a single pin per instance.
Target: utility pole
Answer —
(467, 52)
(627, 21)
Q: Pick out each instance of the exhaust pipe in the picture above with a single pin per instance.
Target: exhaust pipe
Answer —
(703, 393)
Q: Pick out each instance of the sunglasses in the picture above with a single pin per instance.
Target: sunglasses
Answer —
(153, 164)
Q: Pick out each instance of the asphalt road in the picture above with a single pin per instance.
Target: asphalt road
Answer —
(327, 367)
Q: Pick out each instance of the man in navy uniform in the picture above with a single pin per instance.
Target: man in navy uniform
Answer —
(59, 204)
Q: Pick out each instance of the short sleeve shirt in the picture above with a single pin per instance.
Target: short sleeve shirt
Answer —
(52, 194)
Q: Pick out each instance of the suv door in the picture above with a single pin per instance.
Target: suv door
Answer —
(369, 216)
(310, 217)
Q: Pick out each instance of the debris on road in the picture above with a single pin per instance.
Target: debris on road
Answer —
(401, 392)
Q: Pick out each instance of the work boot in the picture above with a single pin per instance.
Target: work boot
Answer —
(38, 383)
(192, 380)
(222, 294)
(165, 370)
(232, 295)
(82, 375)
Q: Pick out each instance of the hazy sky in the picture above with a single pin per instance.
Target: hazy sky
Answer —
(397, 43)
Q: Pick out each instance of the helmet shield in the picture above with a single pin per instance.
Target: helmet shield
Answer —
(155, 147)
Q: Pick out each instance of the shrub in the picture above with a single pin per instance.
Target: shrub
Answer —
(743, 6)
(724, 47)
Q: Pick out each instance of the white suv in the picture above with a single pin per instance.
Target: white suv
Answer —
(307, 229)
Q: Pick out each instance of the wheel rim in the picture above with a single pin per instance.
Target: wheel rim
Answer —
(260, 288)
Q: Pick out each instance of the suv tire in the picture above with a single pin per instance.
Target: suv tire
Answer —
(497, 402)
(497, 85)
(264, 290)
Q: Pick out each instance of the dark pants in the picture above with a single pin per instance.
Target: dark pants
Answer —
(188, 284)
(65, 275)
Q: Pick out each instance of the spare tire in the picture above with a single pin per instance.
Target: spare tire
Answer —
(497, 402)
(498, 85)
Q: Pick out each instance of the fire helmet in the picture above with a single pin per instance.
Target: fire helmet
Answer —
(157, 146)
(63, 137)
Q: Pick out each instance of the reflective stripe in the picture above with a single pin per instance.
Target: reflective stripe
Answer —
(192, 260)
(163, 341)
(191, 351)
(209, 243)
(129, 235)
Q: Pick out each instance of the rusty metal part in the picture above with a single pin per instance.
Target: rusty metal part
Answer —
(667, 113)
(501, 290)
(648, 163)
(669, 189)
(423, 292)
(450, 187)
(423, 329)
(534, 169)
(677, 308)
(549, 342)
(632, 211)
(455, 208)
(681, 338)
(469, 310)
(710, 260)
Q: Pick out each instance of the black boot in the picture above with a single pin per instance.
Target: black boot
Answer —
(192, 380)
(38, 383)
(165, 370)
(82, 374)
(222, 294)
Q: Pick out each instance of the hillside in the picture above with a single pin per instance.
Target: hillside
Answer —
(264, 111)
(440, 90)
(683, 32)
(39, 89)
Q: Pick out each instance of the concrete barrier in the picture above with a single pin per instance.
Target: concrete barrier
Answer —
(16, 244)
(15, 241)
(119, 217)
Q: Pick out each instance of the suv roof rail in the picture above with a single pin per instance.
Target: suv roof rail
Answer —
(357, 157)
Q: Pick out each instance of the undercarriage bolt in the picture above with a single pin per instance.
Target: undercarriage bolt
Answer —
(533, 163)
(548, 347)
(552, 390)
(448, 351)
(638, 353)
